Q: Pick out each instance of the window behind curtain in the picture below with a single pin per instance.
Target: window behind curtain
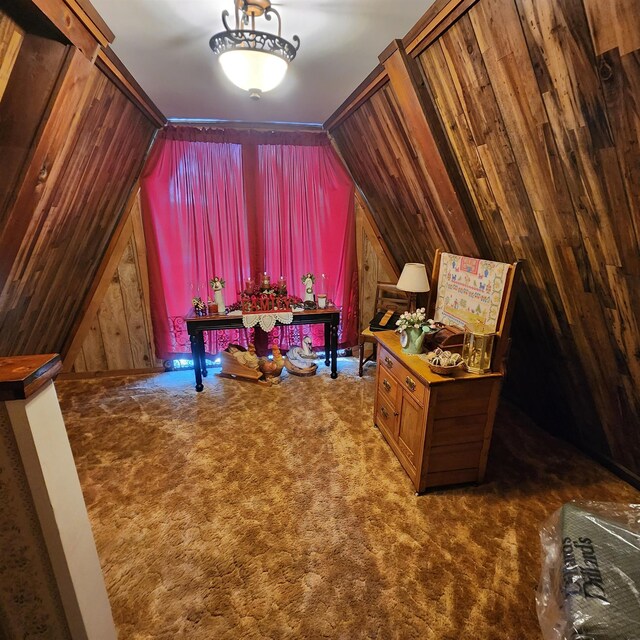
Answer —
(215, 207)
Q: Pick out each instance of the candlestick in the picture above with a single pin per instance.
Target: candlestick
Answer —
(322, 285)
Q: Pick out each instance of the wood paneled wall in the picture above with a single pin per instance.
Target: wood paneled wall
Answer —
(72, 143)
(381, 156)
(374, 264)
(539, 103)
(118, 336)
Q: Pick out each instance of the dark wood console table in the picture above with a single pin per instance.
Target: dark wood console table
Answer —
(196, 325)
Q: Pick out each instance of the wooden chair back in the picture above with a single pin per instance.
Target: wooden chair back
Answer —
(390, 298)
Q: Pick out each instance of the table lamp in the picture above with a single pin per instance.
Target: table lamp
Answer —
(413, 279)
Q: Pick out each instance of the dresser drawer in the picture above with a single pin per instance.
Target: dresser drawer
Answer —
(409, 381)
(400, 372)
(388, 385)
(388, 362)
(387, 416)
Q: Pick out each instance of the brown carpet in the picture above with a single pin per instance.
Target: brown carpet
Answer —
(245, 512)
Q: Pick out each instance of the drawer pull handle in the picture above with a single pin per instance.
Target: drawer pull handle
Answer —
(388, 361)
(383, 411)
(386, 385)
(410, 383)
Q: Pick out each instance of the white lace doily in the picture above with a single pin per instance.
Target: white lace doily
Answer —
(267, 320)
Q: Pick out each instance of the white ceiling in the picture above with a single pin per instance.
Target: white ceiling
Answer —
(165, 45)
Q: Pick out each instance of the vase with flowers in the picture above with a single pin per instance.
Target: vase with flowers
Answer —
(412, 327)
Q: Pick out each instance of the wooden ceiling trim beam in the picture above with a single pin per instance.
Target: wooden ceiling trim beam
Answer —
(271, 127)
(70, 25)
(403, 78)
(92, 20)
(109, 63)
(79, 22)
(438, 18)
(372, 83)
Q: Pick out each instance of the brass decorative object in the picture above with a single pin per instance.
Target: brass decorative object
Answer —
(477, 348)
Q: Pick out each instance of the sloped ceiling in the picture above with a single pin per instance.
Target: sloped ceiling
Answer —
(165, 45)
(548, 166)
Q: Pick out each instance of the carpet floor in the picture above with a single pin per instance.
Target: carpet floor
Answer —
(249, 512)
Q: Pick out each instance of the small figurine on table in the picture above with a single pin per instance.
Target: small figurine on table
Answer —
(217, 284)
(308, 279)
(199, 307)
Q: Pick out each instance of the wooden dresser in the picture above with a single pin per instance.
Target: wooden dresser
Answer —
(439, 427)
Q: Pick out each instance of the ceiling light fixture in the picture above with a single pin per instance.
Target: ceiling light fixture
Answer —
(255, 61)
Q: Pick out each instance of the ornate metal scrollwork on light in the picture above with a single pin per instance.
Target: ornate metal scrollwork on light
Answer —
(255, 61)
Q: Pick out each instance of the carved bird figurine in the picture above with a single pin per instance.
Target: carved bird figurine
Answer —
(298, 362)
(247, 358)
(268, 367)
(277, 355)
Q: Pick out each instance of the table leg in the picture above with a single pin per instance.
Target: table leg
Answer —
(203, 355)
(334, 350)
(195, 354)
(260, 341)
(327, 343)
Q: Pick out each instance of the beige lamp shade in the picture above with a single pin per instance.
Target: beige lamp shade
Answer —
(413, 278)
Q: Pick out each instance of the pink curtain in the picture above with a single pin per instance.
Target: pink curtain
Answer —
(219, 204)
(196, 228)
(305, 205)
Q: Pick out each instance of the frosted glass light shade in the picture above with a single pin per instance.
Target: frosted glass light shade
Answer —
(250, 69)
(413, 278)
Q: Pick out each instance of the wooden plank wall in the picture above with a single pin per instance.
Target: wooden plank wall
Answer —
(380, 154)
(540, 104)
(373, 267)
(119, 336)
(71, 147)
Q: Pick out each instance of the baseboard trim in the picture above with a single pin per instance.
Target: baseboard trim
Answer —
(85, 375)
(603, 459)
(615, 467)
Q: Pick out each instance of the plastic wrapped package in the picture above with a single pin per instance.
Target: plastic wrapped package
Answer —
(590, 583)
